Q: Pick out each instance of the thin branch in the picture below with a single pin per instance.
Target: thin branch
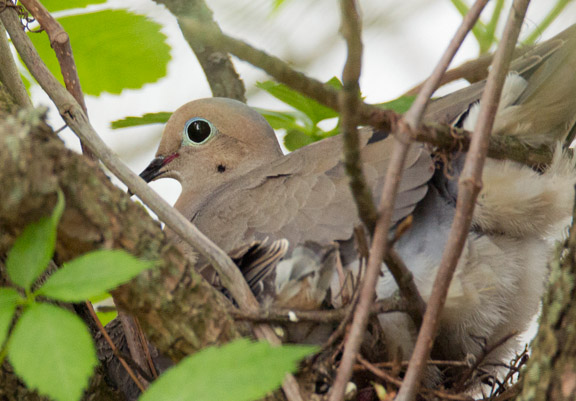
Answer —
(223, 79)
(385, 376)
(468, 188)
(380, 246)
(9, 74)
(77, 120)
(60, 42)
(472, 71)
(351, 30)
(405, 281)
(480, 358)
(114, 349)
(317, 316)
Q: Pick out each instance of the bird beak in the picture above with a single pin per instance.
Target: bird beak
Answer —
(154, 169)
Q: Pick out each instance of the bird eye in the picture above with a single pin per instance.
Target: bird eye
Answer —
(197, 131)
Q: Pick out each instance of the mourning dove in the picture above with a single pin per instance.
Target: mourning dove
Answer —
(238, 187)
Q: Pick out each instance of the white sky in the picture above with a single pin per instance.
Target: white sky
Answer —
(403, 39)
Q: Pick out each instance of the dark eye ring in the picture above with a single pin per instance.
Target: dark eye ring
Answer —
(197, 131)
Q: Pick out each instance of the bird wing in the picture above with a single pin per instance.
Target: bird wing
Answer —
(446, 109)
(305, 195)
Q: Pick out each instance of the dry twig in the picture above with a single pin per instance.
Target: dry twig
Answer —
(349, 100)
(379, 248)
(9, 74)
(216, 64)
(468, 188)
(60, 42)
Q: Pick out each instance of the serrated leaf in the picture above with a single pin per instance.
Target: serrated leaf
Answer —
(52, 351)
(146, 119)
(399, 105)
(296, 139)
(113, 49)
(33, 249)
(239, 371)
(314, 110)
(92, 274)
(9, 298)
(57, 5)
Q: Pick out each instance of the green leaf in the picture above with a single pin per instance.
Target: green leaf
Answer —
(52, 351)
(9, 298)
(280, 119)
(314, 110)
(57, 5)
(92, 274)
(106, 317)
(146, 119)
(399, 105)
(113, 49)
(33, 249)
(296, 139)
(239, 371)
(335, 83)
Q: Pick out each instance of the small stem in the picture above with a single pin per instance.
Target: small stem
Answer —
(548, 19)
(468, 188)
(9, 74)
(60, 42)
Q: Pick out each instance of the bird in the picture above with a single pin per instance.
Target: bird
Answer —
(238, 187)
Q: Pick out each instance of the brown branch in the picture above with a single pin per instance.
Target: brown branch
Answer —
(114, 349)
(60, 42)
(385, 376)
(351, 30)
(380, 247)
(9, 74)
(316, 316)
(405, 281)
(468, 188)
(223, 79)
(472, 71)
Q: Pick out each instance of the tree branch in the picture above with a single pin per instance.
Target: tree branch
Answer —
(469, 186)
(349, 100)
(9, 75)
(60, 42)
(380, 246)
(218, 68)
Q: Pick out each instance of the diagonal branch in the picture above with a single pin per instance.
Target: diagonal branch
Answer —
(60, 42)
(468, 188)
(216, 64)
(77, 120)
(379, 248)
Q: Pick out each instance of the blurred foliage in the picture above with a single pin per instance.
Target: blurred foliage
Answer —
(238, 371)
(484, 31)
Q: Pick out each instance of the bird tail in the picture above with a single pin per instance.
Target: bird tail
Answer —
(520, 202)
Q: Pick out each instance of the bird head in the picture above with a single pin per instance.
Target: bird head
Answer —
(210, 141)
